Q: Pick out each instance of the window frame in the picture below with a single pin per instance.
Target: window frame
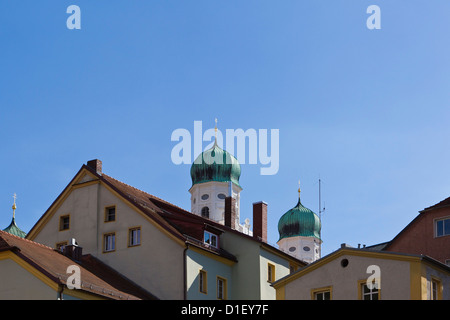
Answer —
(435, 295)
(105, 237)
(106, 213)
(362, 294)
(60, 245)
(316, 291)
(223, 292)
(61, 223)
(203, 281)
(211, 235)
(270, 272)
(436, 231)
(130, 233)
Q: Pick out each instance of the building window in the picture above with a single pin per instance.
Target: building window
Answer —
(205, 197)
(134, 237)
(203, 284)
(221, 288)
(270, 273)
(442, 227)
(369, 294)
(221, 196)
(109, 242)
(205, 212)
(64, 223)
(60, 245)
(321, 294)
(435, 292)
(210, 239)
(110, 214)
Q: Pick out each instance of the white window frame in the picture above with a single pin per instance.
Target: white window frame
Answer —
(134, 236)
(436, 231)
(109, 244)
(208, 239)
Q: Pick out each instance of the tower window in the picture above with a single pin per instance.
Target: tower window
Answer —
(205, 197)
(205, 212)
(221, 196)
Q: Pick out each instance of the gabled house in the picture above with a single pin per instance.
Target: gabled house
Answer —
(427, 234)
(367, 274)
(166, 250)
(33, 271)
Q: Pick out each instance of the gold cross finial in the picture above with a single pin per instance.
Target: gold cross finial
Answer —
(14, 207)
(299, 188)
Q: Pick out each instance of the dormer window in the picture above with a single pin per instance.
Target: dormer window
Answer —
(211, 239)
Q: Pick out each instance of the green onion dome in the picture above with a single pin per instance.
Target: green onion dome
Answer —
(15, 230)
(299, 221)
(215, 164)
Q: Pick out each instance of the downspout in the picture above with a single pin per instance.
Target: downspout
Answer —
(185, 272)
(60, 291)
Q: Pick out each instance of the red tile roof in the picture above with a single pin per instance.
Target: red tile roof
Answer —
(443, 203)
(96, 277)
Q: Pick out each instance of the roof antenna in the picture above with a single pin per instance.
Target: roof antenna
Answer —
(320, 201)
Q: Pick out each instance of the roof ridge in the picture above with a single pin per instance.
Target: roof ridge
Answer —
(24, 239)
(145, 192)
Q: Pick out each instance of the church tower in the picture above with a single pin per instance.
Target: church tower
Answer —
(215, 176)
(299, 230)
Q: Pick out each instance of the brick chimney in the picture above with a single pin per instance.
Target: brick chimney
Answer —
(73, 250)
(230, 212)
(260, 221)
(96, 165)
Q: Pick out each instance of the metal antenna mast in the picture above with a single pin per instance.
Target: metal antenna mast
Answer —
(320, 202)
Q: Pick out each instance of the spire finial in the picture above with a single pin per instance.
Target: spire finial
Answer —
(14, 207)
(299, 188)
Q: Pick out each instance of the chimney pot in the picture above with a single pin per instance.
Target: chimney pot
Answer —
(96, 165)
(260, 221)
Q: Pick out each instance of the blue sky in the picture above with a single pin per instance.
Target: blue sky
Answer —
(366, 111)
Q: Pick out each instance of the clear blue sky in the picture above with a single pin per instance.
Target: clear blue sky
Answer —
(367, 111)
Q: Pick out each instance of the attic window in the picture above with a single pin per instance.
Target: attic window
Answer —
(110, 214)
(211, 239)
(64, 223)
